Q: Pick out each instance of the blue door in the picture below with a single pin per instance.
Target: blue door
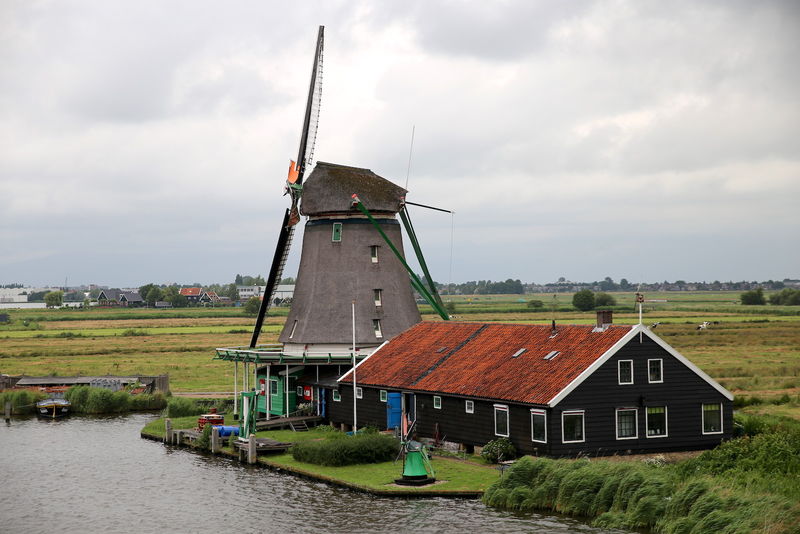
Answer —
(394, 410)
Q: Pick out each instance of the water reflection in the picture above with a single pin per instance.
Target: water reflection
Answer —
(94, 474)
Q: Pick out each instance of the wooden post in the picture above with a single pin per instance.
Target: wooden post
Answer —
(251, 449)
(268, 391)
(8, 411)
(215, 445)
(168, 431)
(236, 390)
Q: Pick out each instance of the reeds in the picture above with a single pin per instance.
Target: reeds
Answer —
(749, 484)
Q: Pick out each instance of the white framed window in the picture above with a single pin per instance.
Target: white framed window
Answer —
(656, 421)
(336, 237)
(359, 393)
(539, 426)
(376, 324)
(712, 418)
(378, 296)
(573, 426)
(299, 391)
(624, 372)
(501, 420)
(627, 423)
(469, 406)
(373, 253)
(655, 371)
(437, 402)
(336, 395)
(384, 395)
(273, 387)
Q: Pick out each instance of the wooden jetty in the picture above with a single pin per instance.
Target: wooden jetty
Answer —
(248, 449)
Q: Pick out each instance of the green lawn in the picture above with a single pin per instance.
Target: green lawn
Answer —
(453, 475)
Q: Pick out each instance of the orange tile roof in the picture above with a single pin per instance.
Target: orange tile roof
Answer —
(477, 359)
(190, 291)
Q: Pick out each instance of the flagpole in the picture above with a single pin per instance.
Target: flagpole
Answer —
(355, 410)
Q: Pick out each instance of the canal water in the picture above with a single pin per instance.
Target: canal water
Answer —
(95, 474)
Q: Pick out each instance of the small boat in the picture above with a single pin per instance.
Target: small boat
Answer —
(53, 408)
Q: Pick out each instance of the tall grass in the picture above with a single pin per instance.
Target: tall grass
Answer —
(91, 400)
(749, 484)
(182, 407)
(22, 401)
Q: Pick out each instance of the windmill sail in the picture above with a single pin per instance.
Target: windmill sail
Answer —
(294, 183)
(305, 154)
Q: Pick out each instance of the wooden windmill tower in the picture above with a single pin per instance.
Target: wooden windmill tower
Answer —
(354, 288)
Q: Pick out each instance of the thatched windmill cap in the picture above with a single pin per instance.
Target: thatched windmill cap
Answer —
(330, 187)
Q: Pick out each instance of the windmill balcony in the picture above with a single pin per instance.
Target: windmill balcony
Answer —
(274, 353)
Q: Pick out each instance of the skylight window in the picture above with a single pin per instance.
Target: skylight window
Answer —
(552, 354)
(518, 353)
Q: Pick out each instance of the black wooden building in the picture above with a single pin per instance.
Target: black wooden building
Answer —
(562, 391)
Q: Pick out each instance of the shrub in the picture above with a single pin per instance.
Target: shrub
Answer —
(499, 450)
(77, 395)
(358, 449)
(753, 298)
(204, 441)
(183, 407)
(133, 332)
(535, 304)
(604, 299)
(252, 305)
(583, 300)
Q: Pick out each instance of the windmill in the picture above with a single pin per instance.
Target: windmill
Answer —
(352, 251)
(417, 468)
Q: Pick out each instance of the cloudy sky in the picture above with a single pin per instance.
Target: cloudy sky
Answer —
(149, 141)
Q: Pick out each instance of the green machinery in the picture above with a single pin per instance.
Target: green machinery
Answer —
(417, 467)
(247, 421)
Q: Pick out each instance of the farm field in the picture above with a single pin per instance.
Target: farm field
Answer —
(752, 350)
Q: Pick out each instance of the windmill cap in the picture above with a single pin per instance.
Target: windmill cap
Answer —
(330, 188)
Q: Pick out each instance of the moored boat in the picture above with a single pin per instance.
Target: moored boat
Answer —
(53, 408)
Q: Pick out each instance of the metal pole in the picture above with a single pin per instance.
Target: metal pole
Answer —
(236, 390)
(268, 392)
(355, 409)
(286, 388)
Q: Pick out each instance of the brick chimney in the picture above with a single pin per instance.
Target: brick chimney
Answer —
(604, 318)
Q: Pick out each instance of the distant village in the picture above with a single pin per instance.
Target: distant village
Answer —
(245, 288)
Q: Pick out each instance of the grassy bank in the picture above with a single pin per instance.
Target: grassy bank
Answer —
(454, 476)
(747, 485)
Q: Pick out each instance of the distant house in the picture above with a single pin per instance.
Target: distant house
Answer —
(109, 297)
(209, 297)
(192, 294)
(283, 292)
(248, 292)
(563, 391)
(131, 299)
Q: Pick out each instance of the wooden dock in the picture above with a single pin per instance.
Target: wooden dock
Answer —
(248, 448)
(297, 423)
